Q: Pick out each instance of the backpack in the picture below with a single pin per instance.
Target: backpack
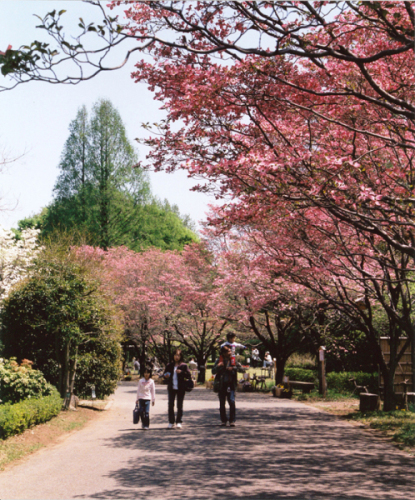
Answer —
(189, 385)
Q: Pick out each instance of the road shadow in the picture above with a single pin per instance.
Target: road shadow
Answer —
(274, 452)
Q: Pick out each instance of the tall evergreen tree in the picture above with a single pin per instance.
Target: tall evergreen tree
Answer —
(102, 195)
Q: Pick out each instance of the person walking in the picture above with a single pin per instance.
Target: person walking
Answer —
(146, 393)
(226, 369)
(176, 374)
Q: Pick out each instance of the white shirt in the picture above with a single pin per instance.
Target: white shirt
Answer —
(233, 346)
(175, 380)
(146, 389)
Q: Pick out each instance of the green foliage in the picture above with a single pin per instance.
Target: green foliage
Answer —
(99, 364)
(35, 221)
(341, 381)
(15, 418)
(337, 382)
(102, 193)
(21, 382)
(301, 374)
(58, 315)
(306, 361)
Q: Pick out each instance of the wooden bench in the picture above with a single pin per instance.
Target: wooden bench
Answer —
(306, 387)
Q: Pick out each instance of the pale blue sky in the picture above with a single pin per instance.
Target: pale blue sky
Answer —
(35, 118)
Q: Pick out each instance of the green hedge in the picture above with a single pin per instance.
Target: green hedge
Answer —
(15, 418)
(301, 374)
(339, 382)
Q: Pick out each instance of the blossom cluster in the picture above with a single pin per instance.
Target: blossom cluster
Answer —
(16, 257)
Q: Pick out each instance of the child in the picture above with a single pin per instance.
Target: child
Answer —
(146, 392)
(233, 345)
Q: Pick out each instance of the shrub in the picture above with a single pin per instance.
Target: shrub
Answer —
(99, 364)
(341, 381)
(15, 418)
(21, 382)
(301, 374)
(306, 361)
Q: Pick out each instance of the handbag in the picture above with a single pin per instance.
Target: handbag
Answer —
(136, 414)
(189, 385)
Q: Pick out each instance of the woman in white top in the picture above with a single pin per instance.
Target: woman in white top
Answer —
(176, 374)
(146, 392)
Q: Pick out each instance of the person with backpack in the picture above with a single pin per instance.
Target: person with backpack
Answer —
(225, 370)
(176, 374)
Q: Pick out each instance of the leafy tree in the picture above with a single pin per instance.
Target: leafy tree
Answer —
(98, 190)
(57, 316)
(102, 195)
(35, 221)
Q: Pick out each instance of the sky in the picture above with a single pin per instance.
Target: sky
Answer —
(34, 119)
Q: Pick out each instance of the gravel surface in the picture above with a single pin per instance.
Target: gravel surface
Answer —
(279, 449)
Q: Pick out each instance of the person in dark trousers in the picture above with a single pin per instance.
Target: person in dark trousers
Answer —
(226, 369)
(146, 393)
(176, 374)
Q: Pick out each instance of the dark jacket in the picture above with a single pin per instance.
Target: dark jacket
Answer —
(227, 378)
(181, 377)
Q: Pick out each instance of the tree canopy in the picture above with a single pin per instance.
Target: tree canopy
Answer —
(102, 194)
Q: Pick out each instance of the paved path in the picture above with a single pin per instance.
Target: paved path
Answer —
(280, 449)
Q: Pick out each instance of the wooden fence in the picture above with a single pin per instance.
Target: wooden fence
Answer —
(404, 370)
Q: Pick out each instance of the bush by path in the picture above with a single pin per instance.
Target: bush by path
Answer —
(15, 418)
(21, 382)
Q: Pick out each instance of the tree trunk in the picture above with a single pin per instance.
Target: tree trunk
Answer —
(65, 377)
(389, 402)
(73, 372)
(201, 364)
(413, 359)
(279, 375)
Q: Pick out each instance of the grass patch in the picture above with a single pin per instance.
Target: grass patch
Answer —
(399, 424)
(17, 447)
(332, 395)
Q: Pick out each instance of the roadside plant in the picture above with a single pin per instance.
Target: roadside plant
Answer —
(20, 382)
(59, 314)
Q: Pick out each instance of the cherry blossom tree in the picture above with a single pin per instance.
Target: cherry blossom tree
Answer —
(283, 315)
(298, 115)
(167, 298)
(197, 319)
(358, 281)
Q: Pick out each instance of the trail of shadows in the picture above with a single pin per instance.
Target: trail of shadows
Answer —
(273, 453)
